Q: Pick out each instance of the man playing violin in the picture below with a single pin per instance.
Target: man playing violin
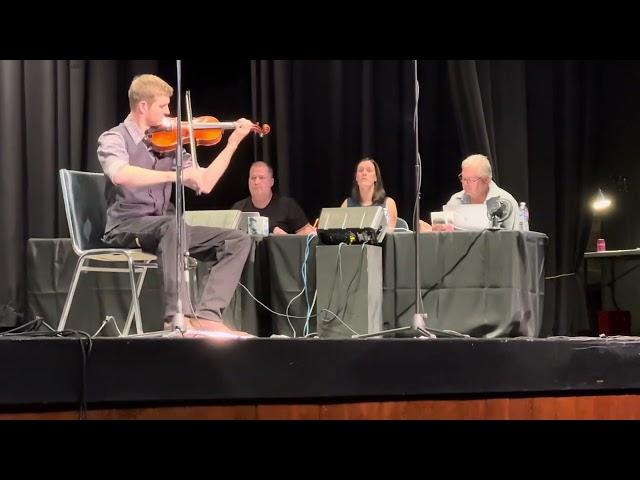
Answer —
(140, 214)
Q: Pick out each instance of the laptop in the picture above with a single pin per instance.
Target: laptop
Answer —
(213, 218)
(469, 216)
(232, 219)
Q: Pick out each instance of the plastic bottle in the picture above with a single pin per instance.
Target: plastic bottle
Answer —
(523, 217)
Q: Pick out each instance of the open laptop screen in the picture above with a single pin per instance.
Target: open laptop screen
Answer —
(469, 216)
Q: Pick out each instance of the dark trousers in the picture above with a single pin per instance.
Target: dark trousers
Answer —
(158, 235)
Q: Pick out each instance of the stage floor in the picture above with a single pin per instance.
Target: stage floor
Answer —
(48, 372)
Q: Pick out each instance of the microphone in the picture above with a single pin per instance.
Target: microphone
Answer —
(499, 212)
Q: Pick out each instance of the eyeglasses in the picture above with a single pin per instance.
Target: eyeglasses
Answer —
(468, 179)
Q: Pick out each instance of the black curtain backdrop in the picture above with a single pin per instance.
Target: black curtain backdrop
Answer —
(52, 114)
(536, 120)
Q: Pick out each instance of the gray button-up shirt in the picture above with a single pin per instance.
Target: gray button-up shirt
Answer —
(493, 195)
(126, 145)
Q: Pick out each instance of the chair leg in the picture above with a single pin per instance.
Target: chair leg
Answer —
(127, 325)
(134, 295)
(72, 291)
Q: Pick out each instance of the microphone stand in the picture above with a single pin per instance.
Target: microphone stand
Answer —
(418, 325)
(419, 318)
(178, 318)
(419, 322)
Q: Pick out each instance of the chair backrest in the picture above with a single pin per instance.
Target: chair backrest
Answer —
(86, 208)
(402, 224)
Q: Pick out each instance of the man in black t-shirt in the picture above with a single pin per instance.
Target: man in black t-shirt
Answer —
(285, 215)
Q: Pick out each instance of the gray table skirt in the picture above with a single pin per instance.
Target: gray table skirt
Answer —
(497, 290)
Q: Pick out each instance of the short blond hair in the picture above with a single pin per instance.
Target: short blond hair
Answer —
(478, 160)
(146, 87)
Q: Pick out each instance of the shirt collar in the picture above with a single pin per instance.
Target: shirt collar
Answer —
(494, 191)
(134, 130)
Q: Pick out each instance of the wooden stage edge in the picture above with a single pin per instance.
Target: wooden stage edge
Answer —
(584, 407)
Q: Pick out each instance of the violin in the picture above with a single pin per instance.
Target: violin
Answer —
(207, 131)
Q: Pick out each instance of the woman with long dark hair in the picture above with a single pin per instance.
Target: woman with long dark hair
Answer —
(368, 190)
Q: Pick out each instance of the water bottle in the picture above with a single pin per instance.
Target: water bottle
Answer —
(523, 217)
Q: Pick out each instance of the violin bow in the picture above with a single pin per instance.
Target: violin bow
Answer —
(194, 150)
(194, 155)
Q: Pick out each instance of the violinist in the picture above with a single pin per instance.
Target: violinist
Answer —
(140, 214)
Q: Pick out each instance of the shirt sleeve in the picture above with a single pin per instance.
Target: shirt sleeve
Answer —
(511, 222)
(455, 199)
(112, 153)
(239, 205)
(297, 218)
